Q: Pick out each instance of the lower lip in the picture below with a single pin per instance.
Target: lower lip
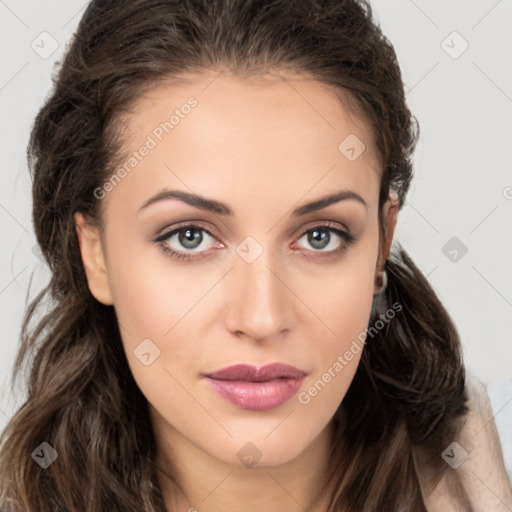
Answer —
(256, 396)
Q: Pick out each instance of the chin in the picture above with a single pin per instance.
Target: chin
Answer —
(262, 452)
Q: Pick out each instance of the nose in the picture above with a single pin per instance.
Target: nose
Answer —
(259, 300)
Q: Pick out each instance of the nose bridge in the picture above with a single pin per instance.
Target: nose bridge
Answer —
(259, 301)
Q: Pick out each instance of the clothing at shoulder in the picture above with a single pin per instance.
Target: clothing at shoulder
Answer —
(479, 453)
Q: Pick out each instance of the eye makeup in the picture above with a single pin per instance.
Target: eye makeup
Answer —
(345, 240)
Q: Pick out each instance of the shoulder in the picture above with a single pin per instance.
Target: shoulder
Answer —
(476, 455)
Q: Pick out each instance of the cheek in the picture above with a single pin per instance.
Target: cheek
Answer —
(158, 303)
(342, 293)
(336, 358)
(146, 304)
(344, 306)
(148, 290)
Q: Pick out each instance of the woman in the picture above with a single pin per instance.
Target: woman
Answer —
(216, 186)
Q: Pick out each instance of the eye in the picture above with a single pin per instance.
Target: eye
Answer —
(183, 242)
(189, 238)
(322, 240)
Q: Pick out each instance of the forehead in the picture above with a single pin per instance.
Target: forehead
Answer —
(215, 132)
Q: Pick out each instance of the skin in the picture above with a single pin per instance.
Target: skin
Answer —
(264, 148)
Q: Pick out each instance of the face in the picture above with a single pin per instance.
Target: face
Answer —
(254, 271)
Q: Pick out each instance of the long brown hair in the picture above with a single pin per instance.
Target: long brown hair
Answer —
(409, 388)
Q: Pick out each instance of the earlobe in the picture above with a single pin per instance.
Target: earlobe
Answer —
(93, 260)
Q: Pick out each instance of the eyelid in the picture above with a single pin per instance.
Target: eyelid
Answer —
(325, 224)
(168, 231)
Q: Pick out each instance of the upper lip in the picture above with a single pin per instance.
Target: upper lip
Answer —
(252, 373)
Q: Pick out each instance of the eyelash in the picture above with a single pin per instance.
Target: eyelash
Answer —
(347, 240)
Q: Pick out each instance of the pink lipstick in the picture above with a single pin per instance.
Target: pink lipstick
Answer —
(256, 388)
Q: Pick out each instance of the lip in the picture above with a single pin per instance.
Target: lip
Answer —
(256, 388)
(252, 373)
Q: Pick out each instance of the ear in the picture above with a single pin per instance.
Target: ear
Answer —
(391, 207)
(93, 260)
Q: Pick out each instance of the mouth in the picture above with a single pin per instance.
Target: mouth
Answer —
(256, 388)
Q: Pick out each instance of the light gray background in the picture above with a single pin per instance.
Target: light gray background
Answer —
(462, 187)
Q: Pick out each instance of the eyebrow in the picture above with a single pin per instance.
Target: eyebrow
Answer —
(214, 206)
